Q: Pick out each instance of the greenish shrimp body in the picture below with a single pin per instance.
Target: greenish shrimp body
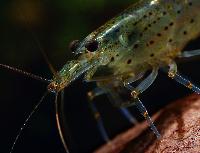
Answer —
(148, 34)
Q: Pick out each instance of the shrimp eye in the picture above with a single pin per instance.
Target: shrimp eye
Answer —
(92, 45)
(74, 45)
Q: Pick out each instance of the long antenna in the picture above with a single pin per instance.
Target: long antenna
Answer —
(52, 69)
(36, 77)
(27, 119)
(59, 125)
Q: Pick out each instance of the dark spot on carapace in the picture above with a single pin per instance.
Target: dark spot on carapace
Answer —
(154, 22)
(159, 34)
(158, 18)
(129, 61)
(190, 3)
(145, 16)
(149, 25)
(117, 55)
(166, 28)
(135, 23)
(179, 11)
(135, 46)
(145, 28)
(164, 13)
(170, 40)
(141, 34)
(185, 32)
(152, 55)
(171, 24)
(151, 42)
(112, 59)
(150, 13)
(192, 21)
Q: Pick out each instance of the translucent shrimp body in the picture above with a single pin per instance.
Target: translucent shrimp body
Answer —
(148, 34)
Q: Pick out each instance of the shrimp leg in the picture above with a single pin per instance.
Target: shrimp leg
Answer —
(91, 95)
(187, 54)
(128, 115)
(114, 98)
(136, 101)
(146, 83)
(173, 73)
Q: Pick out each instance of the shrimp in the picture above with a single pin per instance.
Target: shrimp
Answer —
(147, 36)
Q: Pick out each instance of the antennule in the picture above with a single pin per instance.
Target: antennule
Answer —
(36, 77)
(59, 125)
(52, 69)
(27, 119)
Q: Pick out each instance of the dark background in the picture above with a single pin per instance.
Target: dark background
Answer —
(55, 24)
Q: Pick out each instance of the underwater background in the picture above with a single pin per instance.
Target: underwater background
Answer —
(56, 24)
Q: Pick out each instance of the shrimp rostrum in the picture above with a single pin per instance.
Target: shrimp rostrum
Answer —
(146, 37)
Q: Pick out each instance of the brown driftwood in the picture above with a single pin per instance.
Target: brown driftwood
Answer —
(178, 123)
